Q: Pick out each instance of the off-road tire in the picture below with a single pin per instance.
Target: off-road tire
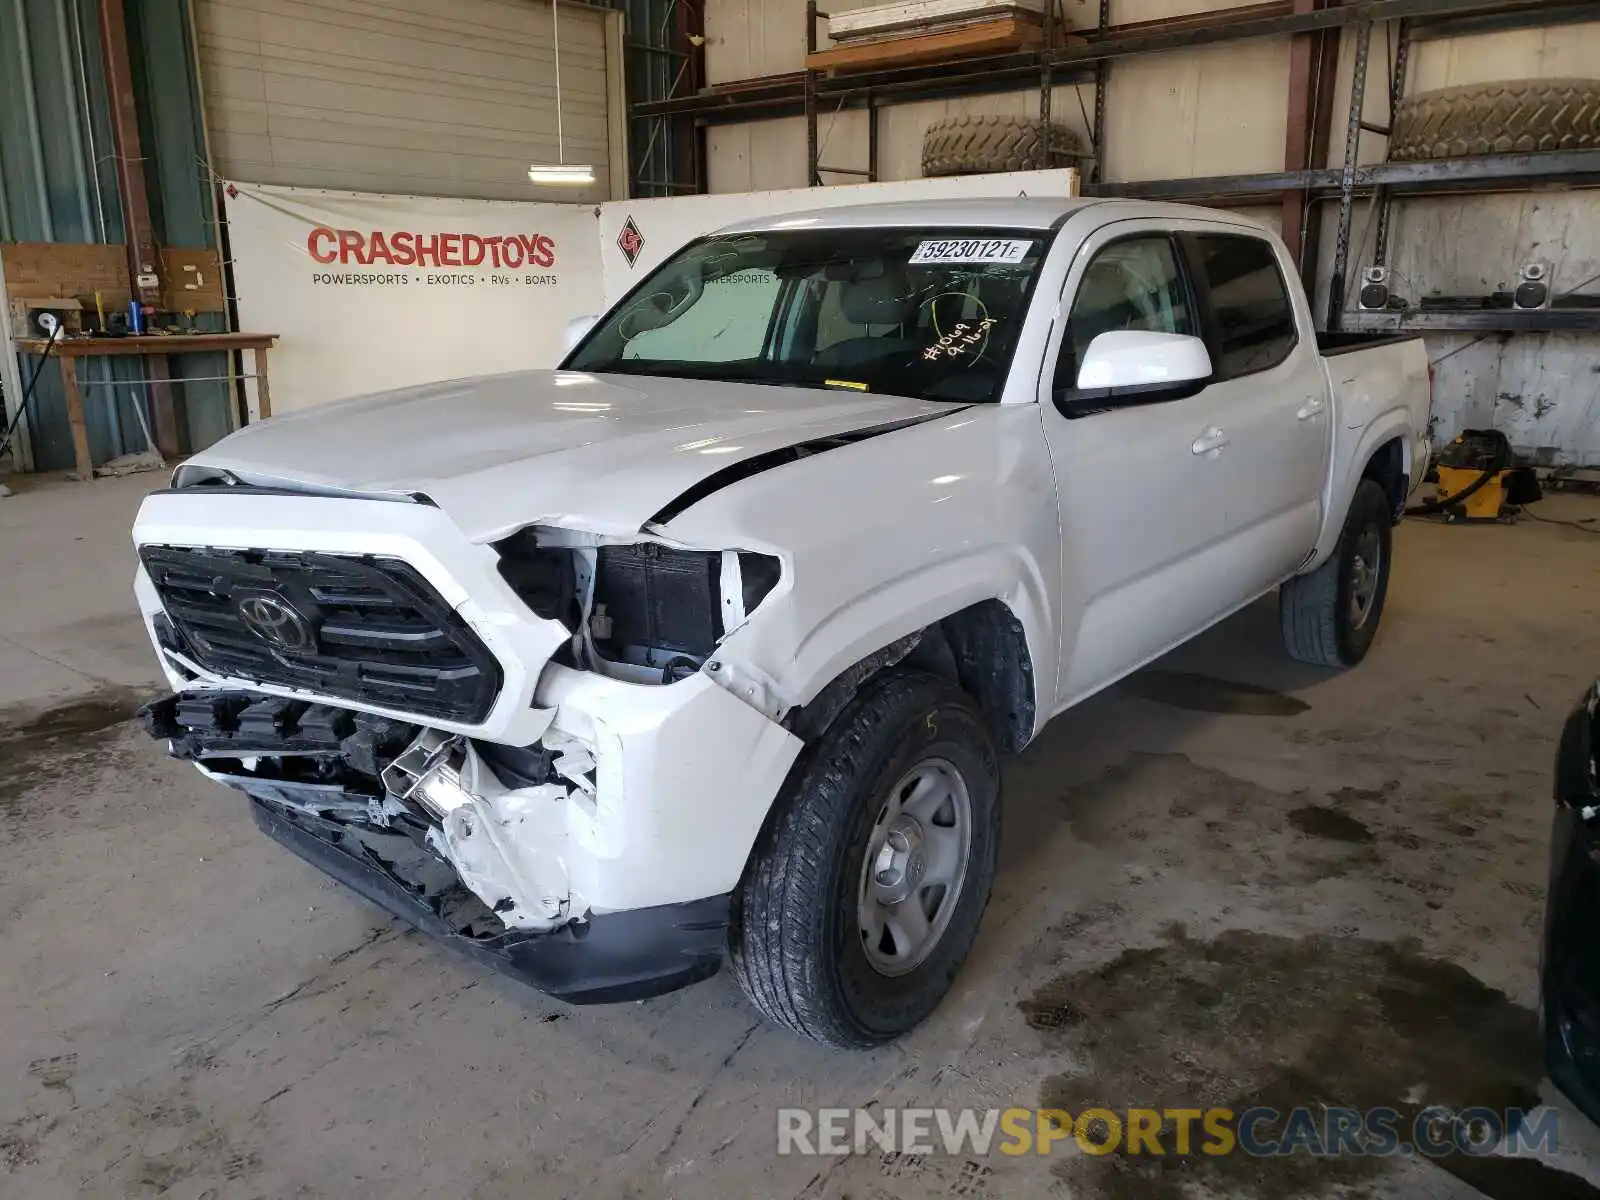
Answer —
(1314, 609)
(984, 144)
(1518, 116)
(794, 941)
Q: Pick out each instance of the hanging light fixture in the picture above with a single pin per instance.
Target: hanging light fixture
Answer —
(560, 173)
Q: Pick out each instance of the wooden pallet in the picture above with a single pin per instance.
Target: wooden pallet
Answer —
(983, 37)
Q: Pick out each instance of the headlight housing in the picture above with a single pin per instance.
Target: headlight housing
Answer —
(653, 607)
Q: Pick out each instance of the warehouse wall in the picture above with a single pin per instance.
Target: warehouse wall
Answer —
(426, 97)
(58, 184)
(1222, 109)
(772, 154)
(1213, 110)
(1540, 389)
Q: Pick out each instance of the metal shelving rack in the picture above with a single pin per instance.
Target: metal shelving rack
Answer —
(808, 93)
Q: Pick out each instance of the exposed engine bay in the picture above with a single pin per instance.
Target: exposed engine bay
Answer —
(642, 611)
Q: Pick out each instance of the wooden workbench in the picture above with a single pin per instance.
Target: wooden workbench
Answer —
(69, 350)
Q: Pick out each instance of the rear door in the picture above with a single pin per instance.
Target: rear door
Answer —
(1272, 397)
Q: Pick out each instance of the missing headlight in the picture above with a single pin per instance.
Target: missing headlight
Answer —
(543, 577)
(643, 611)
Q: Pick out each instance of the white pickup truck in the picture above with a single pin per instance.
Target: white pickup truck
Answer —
(704, 646)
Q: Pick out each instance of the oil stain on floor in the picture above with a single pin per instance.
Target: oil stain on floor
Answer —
(1205, 693)
(32, 740)
(1313, 820)
(1256, 1020)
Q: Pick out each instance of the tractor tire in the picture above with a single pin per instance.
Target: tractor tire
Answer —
(985, 144)
(1518, 116)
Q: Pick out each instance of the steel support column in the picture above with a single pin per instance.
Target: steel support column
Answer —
(1347, 175)
(1308, 116)
(143, 260)
(1102, 82)
(689, 24)
(872, 139)
(1042, 153)
(813, 176)
(1397, 91)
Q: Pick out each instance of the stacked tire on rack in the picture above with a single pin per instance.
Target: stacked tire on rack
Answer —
(978, 145)
(1518, 116)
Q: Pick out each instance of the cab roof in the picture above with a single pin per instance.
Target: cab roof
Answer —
(996, 212)
(1009, 212)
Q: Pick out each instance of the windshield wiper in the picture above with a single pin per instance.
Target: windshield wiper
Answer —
(821, 385)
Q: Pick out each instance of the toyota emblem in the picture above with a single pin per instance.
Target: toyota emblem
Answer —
(276, 623)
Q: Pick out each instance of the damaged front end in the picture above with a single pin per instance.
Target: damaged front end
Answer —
(640, 609)
(465, 840)
(535, 746)
(505, 839)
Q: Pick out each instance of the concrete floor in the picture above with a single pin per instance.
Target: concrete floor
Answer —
(1319, 889)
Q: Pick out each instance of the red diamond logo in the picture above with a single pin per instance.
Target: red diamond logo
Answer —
(630, 241)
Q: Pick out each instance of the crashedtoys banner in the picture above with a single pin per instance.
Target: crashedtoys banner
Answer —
(371, 292)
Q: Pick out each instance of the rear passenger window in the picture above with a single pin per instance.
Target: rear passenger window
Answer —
(1251, 301)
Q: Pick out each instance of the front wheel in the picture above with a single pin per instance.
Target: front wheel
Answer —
(865, 889)
(1330, 616)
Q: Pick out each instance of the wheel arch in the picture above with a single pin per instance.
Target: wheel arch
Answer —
(1387, 466)
(1372, 452)
(983, 648)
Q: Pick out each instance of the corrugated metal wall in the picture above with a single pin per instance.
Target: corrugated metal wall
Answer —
(425, 97)
(58, 183)
(182, 201)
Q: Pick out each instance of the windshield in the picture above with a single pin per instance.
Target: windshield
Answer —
(932, 314)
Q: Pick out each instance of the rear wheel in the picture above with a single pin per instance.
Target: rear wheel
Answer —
(864, 892)
(1330, 616)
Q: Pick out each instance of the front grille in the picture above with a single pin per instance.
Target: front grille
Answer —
(355, 628)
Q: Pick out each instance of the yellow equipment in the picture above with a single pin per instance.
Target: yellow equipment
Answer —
(1488, 503)
(1479, 479)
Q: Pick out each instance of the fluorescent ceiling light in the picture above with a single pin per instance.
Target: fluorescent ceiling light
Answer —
(562, 174)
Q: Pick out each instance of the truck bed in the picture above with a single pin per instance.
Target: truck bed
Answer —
(1339, 342)
(1378, 383)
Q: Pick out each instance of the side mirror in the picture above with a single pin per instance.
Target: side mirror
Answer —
(1127, 367)
(576, 329)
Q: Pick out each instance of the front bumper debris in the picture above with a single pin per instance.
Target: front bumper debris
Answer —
(500, 850)
(612, 957)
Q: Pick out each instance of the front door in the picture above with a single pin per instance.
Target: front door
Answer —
(1144, 491)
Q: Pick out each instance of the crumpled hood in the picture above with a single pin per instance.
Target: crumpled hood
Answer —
(601, 453)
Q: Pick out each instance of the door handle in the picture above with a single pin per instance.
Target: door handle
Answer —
(1312, 406)
(1211, 442)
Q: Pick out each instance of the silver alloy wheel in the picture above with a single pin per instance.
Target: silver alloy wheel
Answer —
(915, 864)
(1366, 567)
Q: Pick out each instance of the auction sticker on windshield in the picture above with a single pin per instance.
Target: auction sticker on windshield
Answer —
(972, 250)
